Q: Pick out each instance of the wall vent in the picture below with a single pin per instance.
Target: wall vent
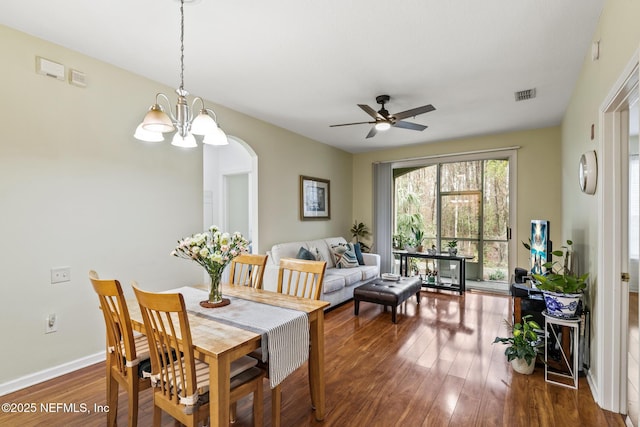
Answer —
(77, 78)
(523, 95)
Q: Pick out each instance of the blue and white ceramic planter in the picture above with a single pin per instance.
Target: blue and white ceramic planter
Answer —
(561, 305)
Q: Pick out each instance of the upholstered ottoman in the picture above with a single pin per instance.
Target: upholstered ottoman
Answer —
(387, 293)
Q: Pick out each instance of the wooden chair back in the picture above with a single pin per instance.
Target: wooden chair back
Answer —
(124, 351)
(248, 270)
(181, 383)
(169, 335)
(301, 278)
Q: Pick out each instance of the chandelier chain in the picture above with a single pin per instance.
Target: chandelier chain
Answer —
(181, 45)
(184, 122)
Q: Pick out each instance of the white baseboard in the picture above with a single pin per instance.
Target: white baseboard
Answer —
(50, 373)
(594, 389)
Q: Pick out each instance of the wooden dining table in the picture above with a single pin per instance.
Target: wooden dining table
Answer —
(218, 344)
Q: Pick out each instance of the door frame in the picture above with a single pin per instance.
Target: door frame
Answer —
(611, 293)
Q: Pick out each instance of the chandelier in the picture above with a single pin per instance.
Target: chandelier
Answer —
(156, 122)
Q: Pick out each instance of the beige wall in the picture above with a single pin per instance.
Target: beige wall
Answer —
(77, 190)
(282, 157)
(538, 167)
(619, 36)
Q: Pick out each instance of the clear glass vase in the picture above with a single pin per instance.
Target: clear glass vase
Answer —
(215, 287)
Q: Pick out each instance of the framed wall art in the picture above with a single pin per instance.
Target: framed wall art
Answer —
(315, 198)
(540, 246)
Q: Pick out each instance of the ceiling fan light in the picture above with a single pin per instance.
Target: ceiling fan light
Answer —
(142, 134)
(382, 126)
(203, 124)
(156, 120)
(218, 137)
(188, 141)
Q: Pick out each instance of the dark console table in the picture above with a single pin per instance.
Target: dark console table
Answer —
(438, 282)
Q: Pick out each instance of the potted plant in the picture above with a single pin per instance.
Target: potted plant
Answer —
(523, 344)
(452, 247)
(360, 230)
(411, 245)
(418, 235)
(561, 287)
(399, 241)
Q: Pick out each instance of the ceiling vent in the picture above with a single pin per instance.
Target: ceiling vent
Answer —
(523, 95)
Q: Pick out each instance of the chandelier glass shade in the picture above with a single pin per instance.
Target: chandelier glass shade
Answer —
(157, 122)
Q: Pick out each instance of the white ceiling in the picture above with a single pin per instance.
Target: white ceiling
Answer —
(304, 65)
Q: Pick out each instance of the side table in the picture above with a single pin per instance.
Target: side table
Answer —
(572, 326)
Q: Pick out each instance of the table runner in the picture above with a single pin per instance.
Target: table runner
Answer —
(285, 332)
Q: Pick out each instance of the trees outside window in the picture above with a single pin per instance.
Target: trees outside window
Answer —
(464, 201)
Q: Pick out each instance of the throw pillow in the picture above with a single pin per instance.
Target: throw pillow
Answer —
(305, 254)
(316, 253)
(358, 250)
(345, 255)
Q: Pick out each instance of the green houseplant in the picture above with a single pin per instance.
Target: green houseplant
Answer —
(399, 241)
(418, 235)
(562, 288)
(522, 345)
(360, 230)
(452, 247)
(560, 278)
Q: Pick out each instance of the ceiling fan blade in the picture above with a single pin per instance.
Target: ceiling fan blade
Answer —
(413, 112)
(370, 111)
(349, 124)
(409, 125)
(372, 132)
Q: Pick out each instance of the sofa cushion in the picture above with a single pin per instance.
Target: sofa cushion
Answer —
(356, 247)
(285, 250)
(369, 271)
(317, 256)
(331, 241)
(305, 254)
(332, 282)
(345, 255)
(350, 276)
(322, 249)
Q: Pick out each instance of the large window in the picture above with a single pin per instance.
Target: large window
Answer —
(466, 201)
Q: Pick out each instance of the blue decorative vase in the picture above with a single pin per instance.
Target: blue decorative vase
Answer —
(560, 305)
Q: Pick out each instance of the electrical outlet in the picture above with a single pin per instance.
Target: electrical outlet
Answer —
(60, 274)
(51, 323)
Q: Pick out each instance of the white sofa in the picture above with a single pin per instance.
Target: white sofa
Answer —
(338, 283)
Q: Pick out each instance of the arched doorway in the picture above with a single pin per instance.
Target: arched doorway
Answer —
(230, 186)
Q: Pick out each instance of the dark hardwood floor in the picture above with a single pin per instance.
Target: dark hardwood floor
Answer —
(436, 367)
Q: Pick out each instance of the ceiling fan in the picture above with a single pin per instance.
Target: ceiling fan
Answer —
(384, 120)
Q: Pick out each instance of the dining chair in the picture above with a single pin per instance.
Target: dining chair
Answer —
(127, 352)
(248, 270)
(302, 278)
(181, 384)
